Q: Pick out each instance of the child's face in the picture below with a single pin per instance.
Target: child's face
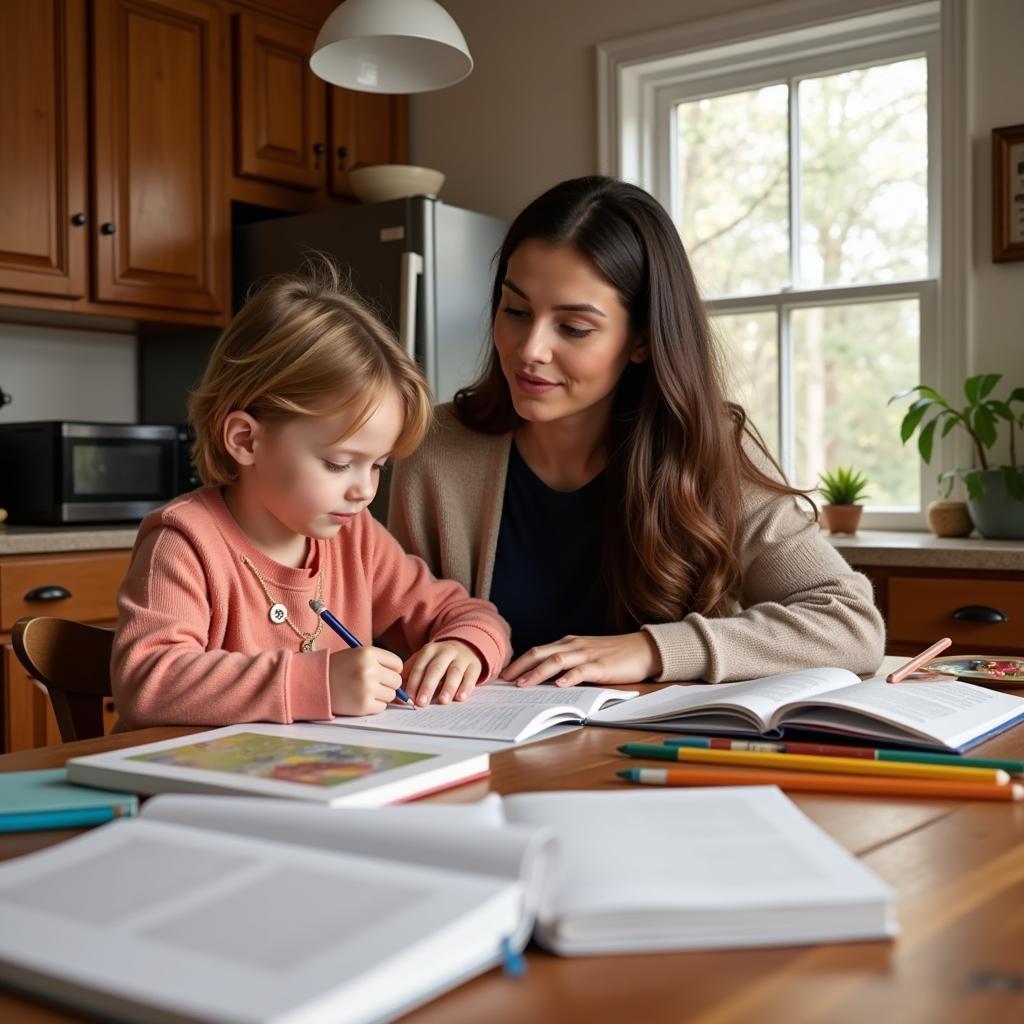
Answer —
(314, 484)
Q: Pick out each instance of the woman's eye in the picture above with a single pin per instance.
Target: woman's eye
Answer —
(335, 467)
(517, 313)
(577, 332)
(379, 468)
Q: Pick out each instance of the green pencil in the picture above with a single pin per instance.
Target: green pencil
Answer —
(838, 750)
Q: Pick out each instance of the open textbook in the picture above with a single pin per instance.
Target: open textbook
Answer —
(949, 716)
(253, 910)
(316, 763)
(498, 711)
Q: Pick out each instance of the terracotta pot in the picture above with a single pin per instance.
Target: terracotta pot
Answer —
(842, 518)
(949, 518)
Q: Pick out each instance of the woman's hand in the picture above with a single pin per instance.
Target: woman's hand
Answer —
(450, 663)
(627, 658)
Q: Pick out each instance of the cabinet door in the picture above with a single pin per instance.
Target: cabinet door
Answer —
(280, 115)
(43, 232)
(366, 128)
(159, 237)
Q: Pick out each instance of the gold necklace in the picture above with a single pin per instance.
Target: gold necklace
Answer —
(279, 613)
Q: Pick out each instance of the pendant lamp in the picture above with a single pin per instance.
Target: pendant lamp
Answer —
(391, 46)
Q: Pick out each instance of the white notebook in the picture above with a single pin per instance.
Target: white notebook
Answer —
(316, 763)
(945, 716)
(250, 910)
(498, 711)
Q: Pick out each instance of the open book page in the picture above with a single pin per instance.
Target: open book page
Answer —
(498, 711)
(699, 868)
(209, 926)
(751, 702)
(472, 837)
(949, 713)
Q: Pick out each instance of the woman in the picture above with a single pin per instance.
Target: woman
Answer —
(595, 484)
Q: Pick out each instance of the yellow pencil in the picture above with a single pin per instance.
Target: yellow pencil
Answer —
(810, 763)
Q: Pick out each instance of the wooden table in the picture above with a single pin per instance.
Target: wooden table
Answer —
(957, 867)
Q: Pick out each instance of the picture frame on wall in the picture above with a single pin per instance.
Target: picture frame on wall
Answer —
(1008, 193)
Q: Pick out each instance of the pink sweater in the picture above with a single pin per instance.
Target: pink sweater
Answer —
(195, 644)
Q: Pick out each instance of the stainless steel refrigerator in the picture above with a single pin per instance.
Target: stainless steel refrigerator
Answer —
(424, 266)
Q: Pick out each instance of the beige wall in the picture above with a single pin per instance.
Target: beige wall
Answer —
(996, 295)
(527, 118)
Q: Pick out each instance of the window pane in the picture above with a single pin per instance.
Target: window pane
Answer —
(732, 191)
(864, 175)
(847, 362)
(750, 351)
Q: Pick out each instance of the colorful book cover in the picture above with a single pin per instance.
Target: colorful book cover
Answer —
(307, 762)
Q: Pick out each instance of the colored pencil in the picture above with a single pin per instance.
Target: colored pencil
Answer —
(915, 663)
(335, 623)
(799, 782)
(808, 763)
(839, 750)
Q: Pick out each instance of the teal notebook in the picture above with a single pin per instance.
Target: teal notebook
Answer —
(38, 800)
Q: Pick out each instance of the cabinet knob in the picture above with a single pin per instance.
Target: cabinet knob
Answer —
(342, 157)
(78, 219)
(319, 149)
(108, 228)
(48, 592)
(979, 613)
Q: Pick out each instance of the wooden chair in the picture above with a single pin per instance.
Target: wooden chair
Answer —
(72, 660)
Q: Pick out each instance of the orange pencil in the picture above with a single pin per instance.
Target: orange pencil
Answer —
(799, 782)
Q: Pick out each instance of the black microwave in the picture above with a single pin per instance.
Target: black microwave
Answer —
(57, 472)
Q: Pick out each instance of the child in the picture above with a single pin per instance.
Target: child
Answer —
(305, 397)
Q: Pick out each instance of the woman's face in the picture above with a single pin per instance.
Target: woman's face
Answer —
(561, 332)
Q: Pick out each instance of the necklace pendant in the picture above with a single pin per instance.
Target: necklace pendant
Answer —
(307, 645)
(278, 613)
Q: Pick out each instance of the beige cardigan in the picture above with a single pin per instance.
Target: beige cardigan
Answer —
(801, 605)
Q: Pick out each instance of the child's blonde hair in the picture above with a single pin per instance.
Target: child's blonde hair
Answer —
(303, 345)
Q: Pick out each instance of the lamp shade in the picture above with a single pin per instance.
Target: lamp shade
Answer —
(391, 46)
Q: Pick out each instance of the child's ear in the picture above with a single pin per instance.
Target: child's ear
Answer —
(240, 434)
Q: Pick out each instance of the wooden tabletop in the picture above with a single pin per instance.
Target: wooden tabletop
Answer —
(957, 868)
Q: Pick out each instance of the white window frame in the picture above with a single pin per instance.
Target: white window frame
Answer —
(641, 80)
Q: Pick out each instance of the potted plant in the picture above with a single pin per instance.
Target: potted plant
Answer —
(843, 490)
(995, 493)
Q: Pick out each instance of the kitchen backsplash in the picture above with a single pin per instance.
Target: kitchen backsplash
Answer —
(56, 373)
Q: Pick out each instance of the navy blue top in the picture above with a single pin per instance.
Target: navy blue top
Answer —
(547, 566)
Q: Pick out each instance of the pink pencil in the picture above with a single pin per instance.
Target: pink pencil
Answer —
(915, 663)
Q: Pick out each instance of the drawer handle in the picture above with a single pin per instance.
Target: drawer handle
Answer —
(48, 592)
(979, 613)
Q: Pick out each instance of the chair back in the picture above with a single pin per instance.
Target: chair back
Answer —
(72, 660)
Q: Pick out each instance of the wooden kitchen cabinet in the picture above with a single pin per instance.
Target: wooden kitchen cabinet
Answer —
(365, 128)
(128, 128)
(44, 230)
(160, 233)
(280, 105)
(921, 605)
(294, 130)
(90, 580)
(153, 234)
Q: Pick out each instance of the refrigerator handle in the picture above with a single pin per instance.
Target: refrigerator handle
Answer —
(412, 268)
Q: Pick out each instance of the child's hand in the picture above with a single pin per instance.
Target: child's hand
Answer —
(363, 680)
(450, 663)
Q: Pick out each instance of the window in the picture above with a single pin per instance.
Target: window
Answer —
(800, 167)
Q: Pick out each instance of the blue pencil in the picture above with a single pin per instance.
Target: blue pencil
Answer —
(328, 616)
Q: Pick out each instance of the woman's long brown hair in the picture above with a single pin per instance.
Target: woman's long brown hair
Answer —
(677, 463)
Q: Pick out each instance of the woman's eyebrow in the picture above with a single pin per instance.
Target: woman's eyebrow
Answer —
(581, 307)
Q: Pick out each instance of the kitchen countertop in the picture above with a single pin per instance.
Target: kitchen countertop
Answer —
(45, 540)
(925, 551)
(869, 547)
